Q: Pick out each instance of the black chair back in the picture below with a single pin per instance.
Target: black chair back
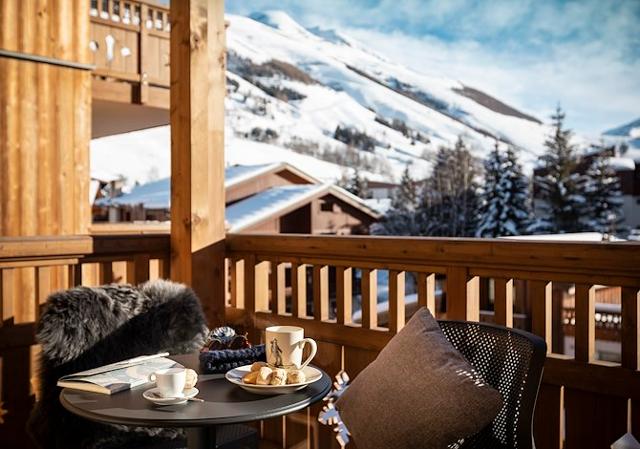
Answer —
(511, 361)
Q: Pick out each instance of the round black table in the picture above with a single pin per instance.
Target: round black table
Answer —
(224, 403)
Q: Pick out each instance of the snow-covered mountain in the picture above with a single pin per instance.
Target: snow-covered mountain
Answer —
(313, 90)
(320, 100)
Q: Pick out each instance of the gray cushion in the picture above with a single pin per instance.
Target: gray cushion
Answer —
(419, 393)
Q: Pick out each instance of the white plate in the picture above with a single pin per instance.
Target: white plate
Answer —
(235, 376)
(153, 395)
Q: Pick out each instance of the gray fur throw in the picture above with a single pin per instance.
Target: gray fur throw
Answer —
(84, 328)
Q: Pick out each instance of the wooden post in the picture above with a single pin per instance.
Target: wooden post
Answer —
(197, 150)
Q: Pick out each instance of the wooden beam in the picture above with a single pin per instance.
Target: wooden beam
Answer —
(197, 150)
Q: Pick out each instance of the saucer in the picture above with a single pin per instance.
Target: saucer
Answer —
(235, 376)
(154, 396)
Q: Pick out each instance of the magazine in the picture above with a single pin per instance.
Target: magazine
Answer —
(118, 376)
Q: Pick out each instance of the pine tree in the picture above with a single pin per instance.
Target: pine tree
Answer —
(506, 206)
(449, 205)
(400, 219)
(357, 185)
(561, 187)
(603, 195)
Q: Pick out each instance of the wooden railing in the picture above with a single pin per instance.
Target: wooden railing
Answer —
(130, 43)
(31, 268)
(320, 282)
(583, 402)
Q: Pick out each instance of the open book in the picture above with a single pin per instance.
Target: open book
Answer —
(118, 376)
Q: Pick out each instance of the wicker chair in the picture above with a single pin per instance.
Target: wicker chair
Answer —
(511, 361)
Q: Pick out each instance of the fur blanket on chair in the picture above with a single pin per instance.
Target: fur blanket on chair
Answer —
(84, 328)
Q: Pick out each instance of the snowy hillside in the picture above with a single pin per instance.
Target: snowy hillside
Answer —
(327, 104)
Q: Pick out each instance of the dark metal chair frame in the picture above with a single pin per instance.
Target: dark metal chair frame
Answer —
(511, 361)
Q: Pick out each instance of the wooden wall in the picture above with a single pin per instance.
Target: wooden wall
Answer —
(45, 126)
(45, 119)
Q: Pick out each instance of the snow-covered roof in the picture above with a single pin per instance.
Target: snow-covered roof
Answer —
(251, 210)
(156, 194)
(568, 237)
(278, 200)
(260, 206)
(622, 163)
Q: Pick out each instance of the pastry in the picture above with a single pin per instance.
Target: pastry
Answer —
(295, 377)
(257, 365)
(278, 377)
(250, 378)
(264, 376)
(191, 380)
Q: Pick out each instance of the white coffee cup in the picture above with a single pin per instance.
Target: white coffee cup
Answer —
(284, 346)
(170, 381)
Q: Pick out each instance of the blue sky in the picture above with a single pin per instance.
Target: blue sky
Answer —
(530, 53)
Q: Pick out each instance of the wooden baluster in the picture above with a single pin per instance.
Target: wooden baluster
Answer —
(630, 323)
(74, 275)
(344, 294)
(463, 295)
(396, 300)
(42, 287)
(585, 322)
(262, 286)
(503, 306)
(320, 292)
(105, 273)
(540, 300)
(277, 285)
(427, 291)
(250, 284)
(369, 290)
(298, 290)
(237, 283)
(138, 269)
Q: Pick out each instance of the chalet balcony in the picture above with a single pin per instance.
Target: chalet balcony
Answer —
(351, 294)
(284, 280)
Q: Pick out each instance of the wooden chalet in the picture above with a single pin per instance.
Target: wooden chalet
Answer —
(51, 81)
(275, 198)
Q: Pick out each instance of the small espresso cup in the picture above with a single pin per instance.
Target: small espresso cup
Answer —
(284, 347)
(170, 381)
